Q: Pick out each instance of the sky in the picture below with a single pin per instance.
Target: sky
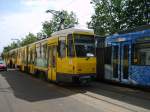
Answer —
(19, 17)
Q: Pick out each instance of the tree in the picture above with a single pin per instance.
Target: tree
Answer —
(48, 27)
(30, 38)
(13, 45)
(108, 16)
(137, 13)
(112, 16)
(6, 49)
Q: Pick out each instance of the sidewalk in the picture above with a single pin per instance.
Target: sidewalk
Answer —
(7, 99)
(15, 96)
(133, 99)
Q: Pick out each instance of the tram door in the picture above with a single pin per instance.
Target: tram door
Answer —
(124, 62)
(52, 56)
(120, 62)
(116, 63)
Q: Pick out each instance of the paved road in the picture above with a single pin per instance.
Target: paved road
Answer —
(20, 92)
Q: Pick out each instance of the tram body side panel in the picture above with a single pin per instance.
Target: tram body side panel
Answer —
(31, 59)
(138, 73)
(18, 58)
(40, 60)
(52, 58)
(24, 58)
(21, 58)
(65, 65)
(140, 66)
(77, 66)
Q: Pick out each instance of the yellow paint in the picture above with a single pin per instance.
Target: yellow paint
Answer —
(65, 65)
(22, 67)
(76, 65)
(52, 42)
(31, 68)
(31, 51)
(52, 73)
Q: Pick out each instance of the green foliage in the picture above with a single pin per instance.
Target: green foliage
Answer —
(53, 25)
(30, 38)
(137, 13)
(112, 16)
(47, 28)
(10, 47)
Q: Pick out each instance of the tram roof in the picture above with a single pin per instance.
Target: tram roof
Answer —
(65, 32)
(128, 36)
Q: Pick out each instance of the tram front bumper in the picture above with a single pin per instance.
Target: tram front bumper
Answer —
(75, 77)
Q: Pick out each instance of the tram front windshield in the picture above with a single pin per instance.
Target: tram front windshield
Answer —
(84, 45)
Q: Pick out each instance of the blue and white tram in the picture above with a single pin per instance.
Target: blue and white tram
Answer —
(127, 58)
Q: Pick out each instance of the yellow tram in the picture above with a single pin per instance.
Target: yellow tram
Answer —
(67, 56)
(11, 58)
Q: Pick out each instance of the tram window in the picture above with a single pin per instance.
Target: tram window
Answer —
(30, 56)
(38, 52)
(70, 50)
(108, 55)
(115, 52)
(49, 55)
(35, 54)
(23, 57)
(141, 54)
(54, 52)
(44, 51)
(44, 54)
(85, 45)
(115, 61)
(125, 61)
(62, 48)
